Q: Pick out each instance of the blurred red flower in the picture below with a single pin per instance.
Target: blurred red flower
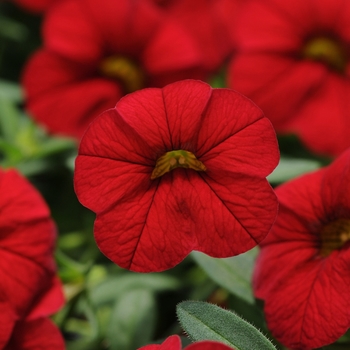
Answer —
(293, 61)
(174, 343)
(150, 217)
(29, 287)
(302, 272)
(212, 24)
(36, 330)
(96, 51)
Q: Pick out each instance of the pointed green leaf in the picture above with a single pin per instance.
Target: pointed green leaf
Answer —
(204, 321)
(234, 274)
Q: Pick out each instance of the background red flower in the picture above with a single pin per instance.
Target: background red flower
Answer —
(212, 24)
(302, 272)
(29, 287)
(293, 61)
(96, 52)
(151, 224)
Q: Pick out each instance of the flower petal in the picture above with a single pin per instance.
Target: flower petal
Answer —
(63, 97)
(171, 343)
(37, 334)
(243, 142)
(27, 243)
(113, 162)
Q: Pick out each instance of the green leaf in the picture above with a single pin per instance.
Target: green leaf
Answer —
(203, 321)
(289, 168)
(133, 320)
(10, 91)
(112, 288)
(9, 120)
(234, 274)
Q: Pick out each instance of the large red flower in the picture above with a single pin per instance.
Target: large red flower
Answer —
(29, 287)
(149, 216)
(293, 61)
(303, 270)
(96, 51)
(212, 24)
(174, 343)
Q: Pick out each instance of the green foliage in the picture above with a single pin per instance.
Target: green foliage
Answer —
(203, 321)
(234, 273)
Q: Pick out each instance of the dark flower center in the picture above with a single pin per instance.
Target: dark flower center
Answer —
(329, 51)
(176, 159)
(334, 236)
(125, 71)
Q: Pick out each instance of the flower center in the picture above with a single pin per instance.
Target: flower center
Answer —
(176, 159)
(327, 50)
(124, 70)
(334, 236)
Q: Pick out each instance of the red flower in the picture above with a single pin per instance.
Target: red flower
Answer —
(96, 51)
(293, 61)
(211, 22)
(36, 330)
(149, 217)
(174, 343)
(29, 287)
(302, 272)
(37, 334)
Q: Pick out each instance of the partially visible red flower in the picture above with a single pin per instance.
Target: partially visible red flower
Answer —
(174, 343)
(29, 286)
(218, 201)
(212, 24)
(303, 270)
(35, 6)
(95, 52)
(36, 330)
(37, 334)
(293, 61)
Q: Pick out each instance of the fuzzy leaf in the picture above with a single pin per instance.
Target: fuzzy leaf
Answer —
(204, 321)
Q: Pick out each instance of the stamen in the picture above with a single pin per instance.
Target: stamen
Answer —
(327, 50)
(176, 159)
(124, 70)
(334, 236)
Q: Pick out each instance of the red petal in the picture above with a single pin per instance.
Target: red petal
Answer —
(171, 343)
(335, 187)
(243, 142)
(278, 84)
(7, 321)
(315, 118)
(185, 102)
(36, 334)
(114, 162)
(64, 97)
(49, 302)
(27, 242)
(167, 118)
(127, 27)
(171, 49)
(76, 37)
(208, 345)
